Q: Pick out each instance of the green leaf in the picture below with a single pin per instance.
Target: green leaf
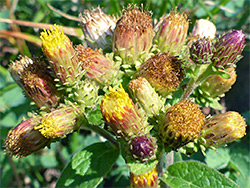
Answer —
(87, 167)
(218, 159)
(141, 168)
(240, 162)
(193, 174)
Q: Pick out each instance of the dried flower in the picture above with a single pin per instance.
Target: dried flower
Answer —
(216, 85)
(222, 129)
(133, 35)
(23, 140)
(201, 51)
(204, 28)
(228, 49)
(181, 124)
(143, 147)
(163, 72)
(60, 122)
(172, 32)
(34, 77)
(121, 114)
(59, 50)
(147, 180)
(99, 68)
(147, 97)
(98, 28)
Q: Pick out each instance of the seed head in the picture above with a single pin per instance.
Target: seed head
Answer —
(133, 35)
(163, 72)
(34, 77)
(98, 28)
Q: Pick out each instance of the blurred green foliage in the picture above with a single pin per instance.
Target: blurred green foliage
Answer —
(44, 168)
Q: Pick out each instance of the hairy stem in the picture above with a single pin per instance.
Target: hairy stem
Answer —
(97, 129)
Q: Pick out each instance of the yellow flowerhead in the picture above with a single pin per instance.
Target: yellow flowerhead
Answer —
(120, 113)
(147, 180)
(59, 50)
(181, 123)
(60, 122)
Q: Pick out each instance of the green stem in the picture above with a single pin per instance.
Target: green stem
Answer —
(101, 132)
(200, 74)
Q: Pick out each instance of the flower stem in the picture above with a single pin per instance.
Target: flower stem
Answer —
(200, 74)
(101, 132)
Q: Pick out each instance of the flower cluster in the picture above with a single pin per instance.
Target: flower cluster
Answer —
(148, 82)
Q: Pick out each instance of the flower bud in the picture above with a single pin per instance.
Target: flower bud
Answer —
(59, 50)
(201, 51)
(147, 180)
(221, 129)
(172, 32)
(34, 77)
(216, 85)
(99, 68)
(86, 93)
(163, 72)
(133, 35)
(181, 124)
(143, 147)
(228, 49)
(23, 140)
(60, 122)
(147, 97)
(121, 114)
(204, 28)
(98, 28)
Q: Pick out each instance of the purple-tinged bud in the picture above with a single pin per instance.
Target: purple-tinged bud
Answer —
(133, 35)
(99, 68)
(34, 77)
(228, 49)
(181, 124)
(172, 32)
(147, 97)
(61, 121)
(120, 113)
(59, 50)
(204, 28)
(98, 28)
(143, 148)
(163, 72)
(147, 180)
(23, 140)
(222, 129)
(201, 51)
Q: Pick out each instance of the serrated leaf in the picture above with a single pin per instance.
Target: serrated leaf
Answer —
(87, 167)
(193, 174)
(141, 168)
(218, 159)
